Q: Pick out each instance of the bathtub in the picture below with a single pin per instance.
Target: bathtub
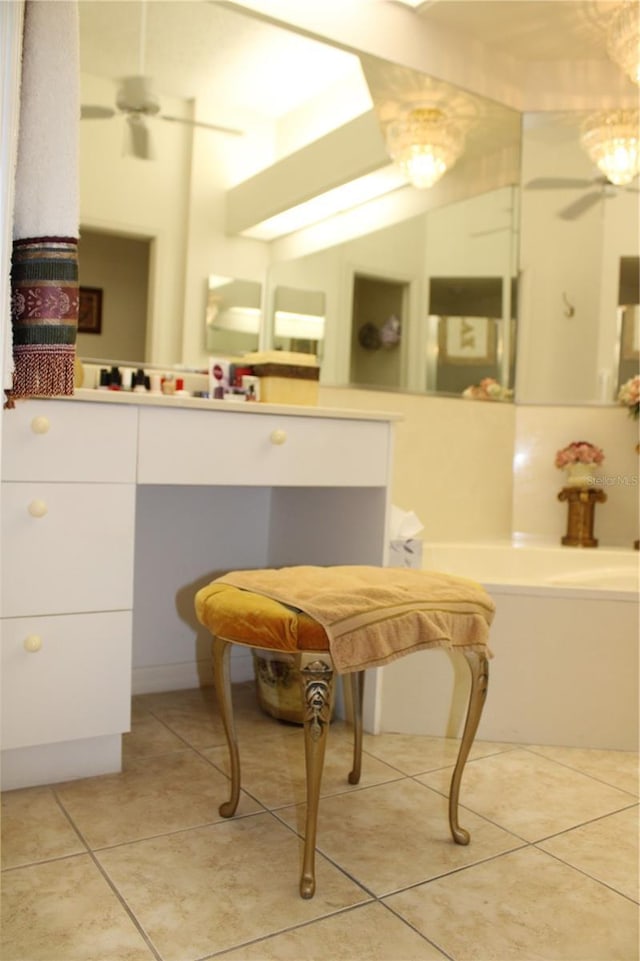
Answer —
(565, 639)
(540, 566)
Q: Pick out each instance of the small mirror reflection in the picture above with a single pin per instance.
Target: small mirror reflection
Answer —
(299, 320)
(233, 315)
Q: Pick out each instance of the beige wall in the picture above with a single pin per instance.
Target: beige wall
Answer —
(119, 266)
(475, 471)
(143, 199)
(452, 463)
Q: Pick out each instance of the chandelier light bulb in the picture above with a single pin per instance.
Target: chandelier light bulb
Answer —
(623, 38)
(424, 144)
(612, 141)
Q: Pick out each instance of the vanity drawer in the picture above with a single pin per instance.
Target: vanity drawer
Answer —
(216, 447)
(69, 441)
(67, 547)
(65, 678)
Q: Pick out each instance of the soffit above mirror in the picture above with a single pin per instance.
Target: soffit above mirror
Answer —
(527, 54)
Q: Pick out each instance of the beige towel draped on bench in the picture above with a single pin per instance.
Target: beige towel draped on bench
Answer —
(373, 615)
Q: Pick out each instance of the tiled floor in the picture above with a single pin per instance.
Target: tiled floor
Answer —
(140, 866)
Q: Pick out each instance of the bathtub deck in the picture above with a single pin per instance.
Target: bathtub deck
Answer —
(565, 640)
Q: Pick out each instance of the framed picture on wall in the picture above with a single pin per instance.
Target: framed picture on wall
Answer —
(467, 340)
(90, 310)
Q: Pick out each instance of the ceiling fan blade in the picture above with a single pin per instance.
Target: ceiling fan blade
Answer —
(92, 111)
(206, 126)
(140, 144)
(580, 206)
(553, 183)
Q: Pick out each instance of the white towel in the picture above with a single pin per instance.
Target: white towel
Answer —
(47, 191)
(44, 271)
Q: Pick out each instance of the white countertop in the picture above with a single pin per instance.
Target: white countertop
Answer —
(240, 407)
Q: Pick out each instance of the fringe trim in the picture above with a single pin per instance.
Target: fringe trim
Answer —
(42, 371)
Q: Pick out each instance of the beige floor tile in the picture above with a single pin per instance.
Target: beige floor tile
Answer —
(151, 796)
(213, 888)
(273, 769)
(190, 716)
(606, 850)
(531, 795)
(393, 835)
(192, 697)
(369, 932)
(522, 906)
(618, 768)
(414, 754)
(199, 698)
(65, 911)
(148, 737)
(205, 885)
(194, 717)
(34, 828)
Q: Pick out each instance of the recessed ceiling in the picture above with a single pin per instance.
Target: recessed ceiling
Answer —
(202, 49)
(197, 49)
(528, 30)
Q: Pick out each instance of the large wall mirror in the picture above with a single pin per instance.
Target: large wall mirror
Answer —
(482, 270)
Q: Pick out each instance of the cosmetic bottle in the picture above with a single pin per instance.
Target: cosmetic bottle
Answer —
(139, 386)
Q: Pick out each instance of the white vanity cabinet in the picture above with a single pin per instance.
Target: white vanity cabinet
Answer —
(267, 449)
(115, 509)
(67, 522)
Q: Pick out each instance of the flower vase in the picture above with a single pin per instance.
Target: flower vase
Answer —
(580, 475)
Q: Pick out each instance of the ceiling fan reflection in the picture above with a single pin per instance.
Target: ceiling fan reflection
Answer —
(603, 189)
(137, 101)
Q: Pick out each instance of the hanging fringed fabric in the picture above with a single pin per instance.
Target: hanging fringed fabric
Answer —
(44, 270)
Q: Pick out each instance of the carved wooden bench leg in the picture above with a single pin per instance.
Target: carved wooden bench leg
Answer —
(479, 666)
(357, 692)
(222, 679)
(316, 677)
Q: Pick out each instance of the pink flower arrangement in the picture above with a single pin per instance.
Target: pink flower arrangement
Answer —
(629, 396)
(487, 389)
(579, 452)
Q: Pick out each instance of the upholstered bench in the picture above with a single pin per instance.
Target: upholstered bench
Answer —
(328, 620)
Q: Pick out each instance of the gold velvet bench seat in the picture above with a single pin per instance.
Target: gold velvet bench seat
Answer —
(328, 620)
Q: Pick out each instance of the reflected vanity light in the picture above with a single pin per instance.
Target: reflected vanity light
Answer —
(325, 205)
(299, 326)
(612, 142)
(244, 320)
(233, 305)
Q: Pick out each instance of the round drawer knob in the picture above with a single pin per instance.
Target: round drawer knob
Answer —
(278, 436)
(32, 643)
(37, 508)
(40, 425)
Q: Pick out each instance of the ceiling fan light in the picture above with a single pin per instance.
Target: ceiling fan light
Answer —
(612, 141)
(424, 144)
(136, 94)
(623, 39)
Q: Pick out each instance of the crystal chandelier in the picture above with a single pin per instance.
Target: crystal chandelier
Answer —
(425, 144)
(623, 38)
(612, 142)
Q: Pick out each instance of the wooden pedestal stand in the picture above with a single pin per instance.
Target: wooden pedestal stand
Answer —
(581, 502)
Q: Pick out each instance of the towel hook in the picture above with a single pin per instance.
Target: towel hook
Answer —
(569, 309)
